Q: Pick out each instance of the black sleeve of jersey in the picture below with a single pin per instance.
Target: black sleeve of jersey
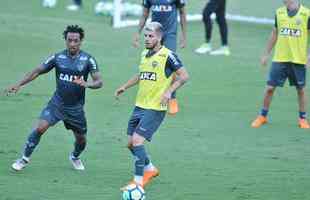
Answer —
(275, 21)
(49, 64)
(309, 23)
(173, 64)
(92, 65)
(180, 3)
(146, 4)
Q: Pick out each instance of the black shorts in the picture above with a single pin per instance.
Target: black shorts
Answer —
(215, 6)
(280, 71)
(145, 122)
(73, 118)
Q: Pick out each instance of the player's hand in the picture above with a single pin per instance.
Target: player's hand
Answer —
(80, 81)
(182, 42)
(119, 91)
(264, 60)
(12, 90)
(136, 40)
(165, 98)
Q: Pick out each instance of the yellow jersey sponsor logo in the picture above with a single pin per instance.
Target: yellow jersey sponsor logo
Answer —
(149, 76)
(290, 32)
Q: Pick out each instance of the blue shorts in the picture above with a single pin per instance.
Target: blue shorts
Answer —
(170, 41)
(280, 71)
(73, 117)
(145, 122)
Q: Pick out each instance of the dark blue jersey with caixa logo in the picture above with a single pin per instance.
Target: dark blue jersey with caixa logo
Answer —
(68, 68)
(165, 12)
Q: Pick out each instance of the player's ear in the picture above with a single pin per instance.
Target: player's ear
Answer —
(161, 40)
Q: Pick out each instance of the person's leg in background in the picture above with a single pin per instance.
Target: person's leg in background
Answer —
(210, 8)
(75, 6)
(221, 21)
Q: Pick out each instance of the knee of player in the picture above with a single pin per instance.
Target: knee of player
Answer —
(220, 19)
(81, 140)
(137, 140)
(206, 16)
(300, 91)
(129, 145)
(270, 90)
(41, 129)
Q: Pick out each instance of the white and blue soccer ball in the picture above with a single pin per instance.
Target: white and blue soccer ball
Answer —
(49, 3)
(134, 192)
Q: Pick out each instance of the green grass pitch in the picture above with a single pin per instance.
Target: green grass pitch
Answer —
(207, 152)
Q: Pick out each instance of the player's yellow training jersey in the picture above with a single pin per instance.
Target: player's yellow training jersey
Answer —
(292, 42)
(153, 81)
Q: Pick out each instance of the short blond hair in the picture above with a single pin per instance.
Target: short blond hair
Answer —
(155, 27)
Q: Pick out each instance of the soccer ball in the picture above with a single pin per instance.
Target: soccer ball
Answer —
(134, 192)
(49, 3)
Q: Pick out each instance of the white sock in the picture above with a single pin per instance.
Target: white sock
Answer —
(26, 158)
(149, 167)
(138, 179)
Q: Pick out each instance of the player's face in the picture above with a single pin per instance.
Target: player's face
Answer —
(73, 42)
(151, 39)
(291, 4)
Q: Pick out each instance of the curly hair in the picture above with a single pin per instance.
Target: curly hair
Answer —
(74, 29)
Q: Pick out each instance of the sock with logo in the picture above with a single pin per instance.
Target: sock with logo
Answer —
(78, 149)
(140, 154)
(302, 115)
(264, 112)
(32, 141)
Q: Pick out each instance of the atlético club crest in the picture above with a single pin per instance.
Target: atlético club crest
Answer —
(298, 21)
(80, 67)
(154, 64)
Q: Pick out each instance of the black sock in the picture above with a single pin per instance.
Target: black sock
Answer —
(32, 141)
(78, 149)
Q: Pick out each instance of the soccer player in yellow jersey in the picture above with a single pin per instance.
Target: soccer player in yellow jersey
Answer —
(290, 39)
(157, 65)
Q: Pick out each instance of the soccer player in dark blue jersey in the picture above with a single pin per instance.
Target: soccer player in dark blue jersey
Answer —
(72, 67)
(166, 13)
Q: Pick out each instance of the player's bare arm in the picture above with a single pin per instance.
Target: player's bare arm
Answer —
(131, 82)
(182, 78)
(145, 15)
(270, 44)
(308, 62)
(96, 82)
(27, 78)
(183, 20)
